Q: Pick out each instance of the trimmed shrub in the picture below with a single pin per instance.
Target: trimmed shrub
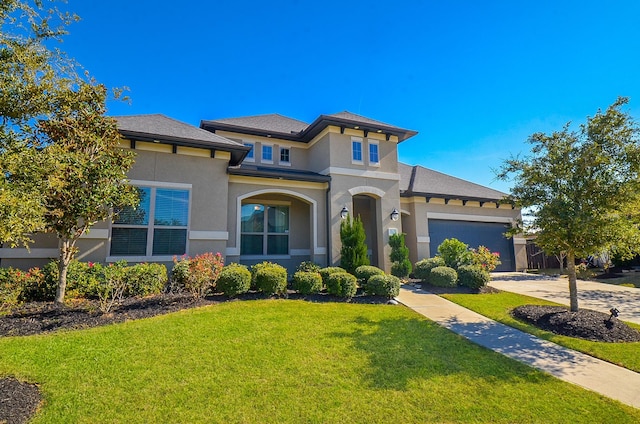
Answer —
(326, 272)
(353, 252)
(443, 276)
(308, 266)
(234, 279)
(455, 253)
(270, 278)
(364, 272)
(179, 274)
(383, 285)
(198, 275)
(400, 263)
(473, 276)
(83, 279)
(422, 269)
(307, 282)
(342, 284)
(145, 279)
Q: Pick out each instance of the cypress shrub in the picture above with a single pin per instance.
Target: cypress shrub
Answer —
(353, 252)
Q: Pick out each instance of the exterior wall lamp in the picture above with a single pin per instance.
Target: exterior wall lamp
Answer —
(395, 214)
(344, 213)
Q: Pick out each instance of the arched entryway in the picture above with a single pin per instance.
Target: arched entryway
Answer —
(366, 207)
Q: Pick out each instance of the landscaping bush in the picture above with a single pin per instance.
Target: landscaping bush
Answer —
(353, 252)
(326, 272)
(111, 289)
(197, 275)
(83, 279)
(422, 269)
(270, 278)
(485, 258)
(443, 276)
(308, 266)
(11, 284)
(234, 279)
(307, 282)
(473, 276)
(455, 253)
(342, 284)
(400, 263)
(383, 285)
(364, 272)
(145, 279)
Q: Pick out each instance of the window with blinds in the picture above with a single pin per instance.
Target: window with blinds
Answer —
(157, 227)
(264, 230)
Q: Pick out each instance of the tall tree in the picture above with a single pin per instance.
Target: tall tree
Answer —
(62, 169)
(582, 188)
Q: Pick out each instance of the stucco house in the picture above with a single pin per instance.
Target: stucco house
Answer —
(274, 188)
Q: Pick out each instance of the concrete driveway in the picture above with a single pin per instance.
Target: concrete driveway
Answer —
(591, 295)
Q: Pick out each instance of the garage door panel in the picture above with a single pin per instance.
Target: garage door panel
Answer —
(474, 234)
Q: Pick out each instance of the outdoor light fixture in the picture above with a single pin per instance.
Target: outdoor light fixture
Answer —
(344, 213)
(395, 214)
(614, 313)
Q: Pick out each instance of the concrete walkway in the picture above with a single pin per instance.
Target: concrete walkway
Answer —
(591, 295)
(593, 374)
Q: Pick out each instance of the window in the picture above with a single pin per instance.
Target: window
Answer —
(267, 154)
(158, 227)
(374, 157)
(250, 157)
(356, 150)
(264, 230)
(285, 156)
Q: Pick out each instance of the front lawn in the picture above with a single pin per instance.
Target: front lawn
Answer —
(498, 305)
(283, 361)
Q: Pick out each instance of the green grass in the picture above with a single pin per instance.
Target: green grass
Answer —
(277, 361)
(498, 305)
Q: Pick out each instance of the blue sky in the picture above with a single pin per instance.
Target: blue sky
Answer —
(474, 78)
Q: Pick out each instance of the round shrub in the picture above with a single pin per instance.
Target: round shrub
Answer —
(422, 269)
(271, 278)
(326, 272)
(83, 281)
(455, 253)
(401, 269)
(234, 279)
(307, 282)
(443, 276)
(383, 285)
(364, 272)
(308, 266)
(473, 276)
(146, 279)
(342, 284)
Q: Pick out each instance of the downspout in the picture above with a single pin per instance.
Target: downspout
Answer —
(328, 223)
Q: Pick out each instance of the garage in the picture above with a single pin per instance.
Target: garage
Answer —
(489, 234)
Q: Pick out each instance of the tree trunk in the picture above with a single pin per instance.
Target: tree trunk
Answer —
(66, 248)
(573, 287)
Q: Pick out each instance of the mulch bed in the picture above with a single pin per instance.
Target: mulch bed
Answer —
(584, 324)
(18, 400)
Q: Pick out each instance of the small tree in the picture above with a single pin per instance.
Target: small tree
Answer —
(354, 250)
(400, 263)
(583, 188)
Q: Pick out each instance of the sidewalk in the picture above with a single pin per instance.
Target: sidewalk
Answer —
(583, 370)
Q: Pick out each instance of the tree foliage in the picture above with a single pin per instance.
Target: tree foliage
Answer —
(353, 252)
(582, 188)
(62, 169)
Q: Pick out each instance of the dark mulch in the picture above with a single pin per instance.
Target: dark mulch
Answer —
(584, 324)
(18, 400)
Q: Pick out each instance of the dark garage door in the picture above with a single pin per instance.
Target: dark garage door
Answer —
(474, 234)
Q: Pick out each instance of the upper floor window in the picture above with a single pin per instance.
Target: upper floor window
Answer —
(285, 156)
(157, 227)
(356, 150)
(250, 155)
(374, 155)
(267, 153)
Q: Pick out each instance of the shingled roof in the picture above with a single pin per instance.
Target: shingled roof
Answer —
(419, 181)
(162, 129)
(274, 125)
